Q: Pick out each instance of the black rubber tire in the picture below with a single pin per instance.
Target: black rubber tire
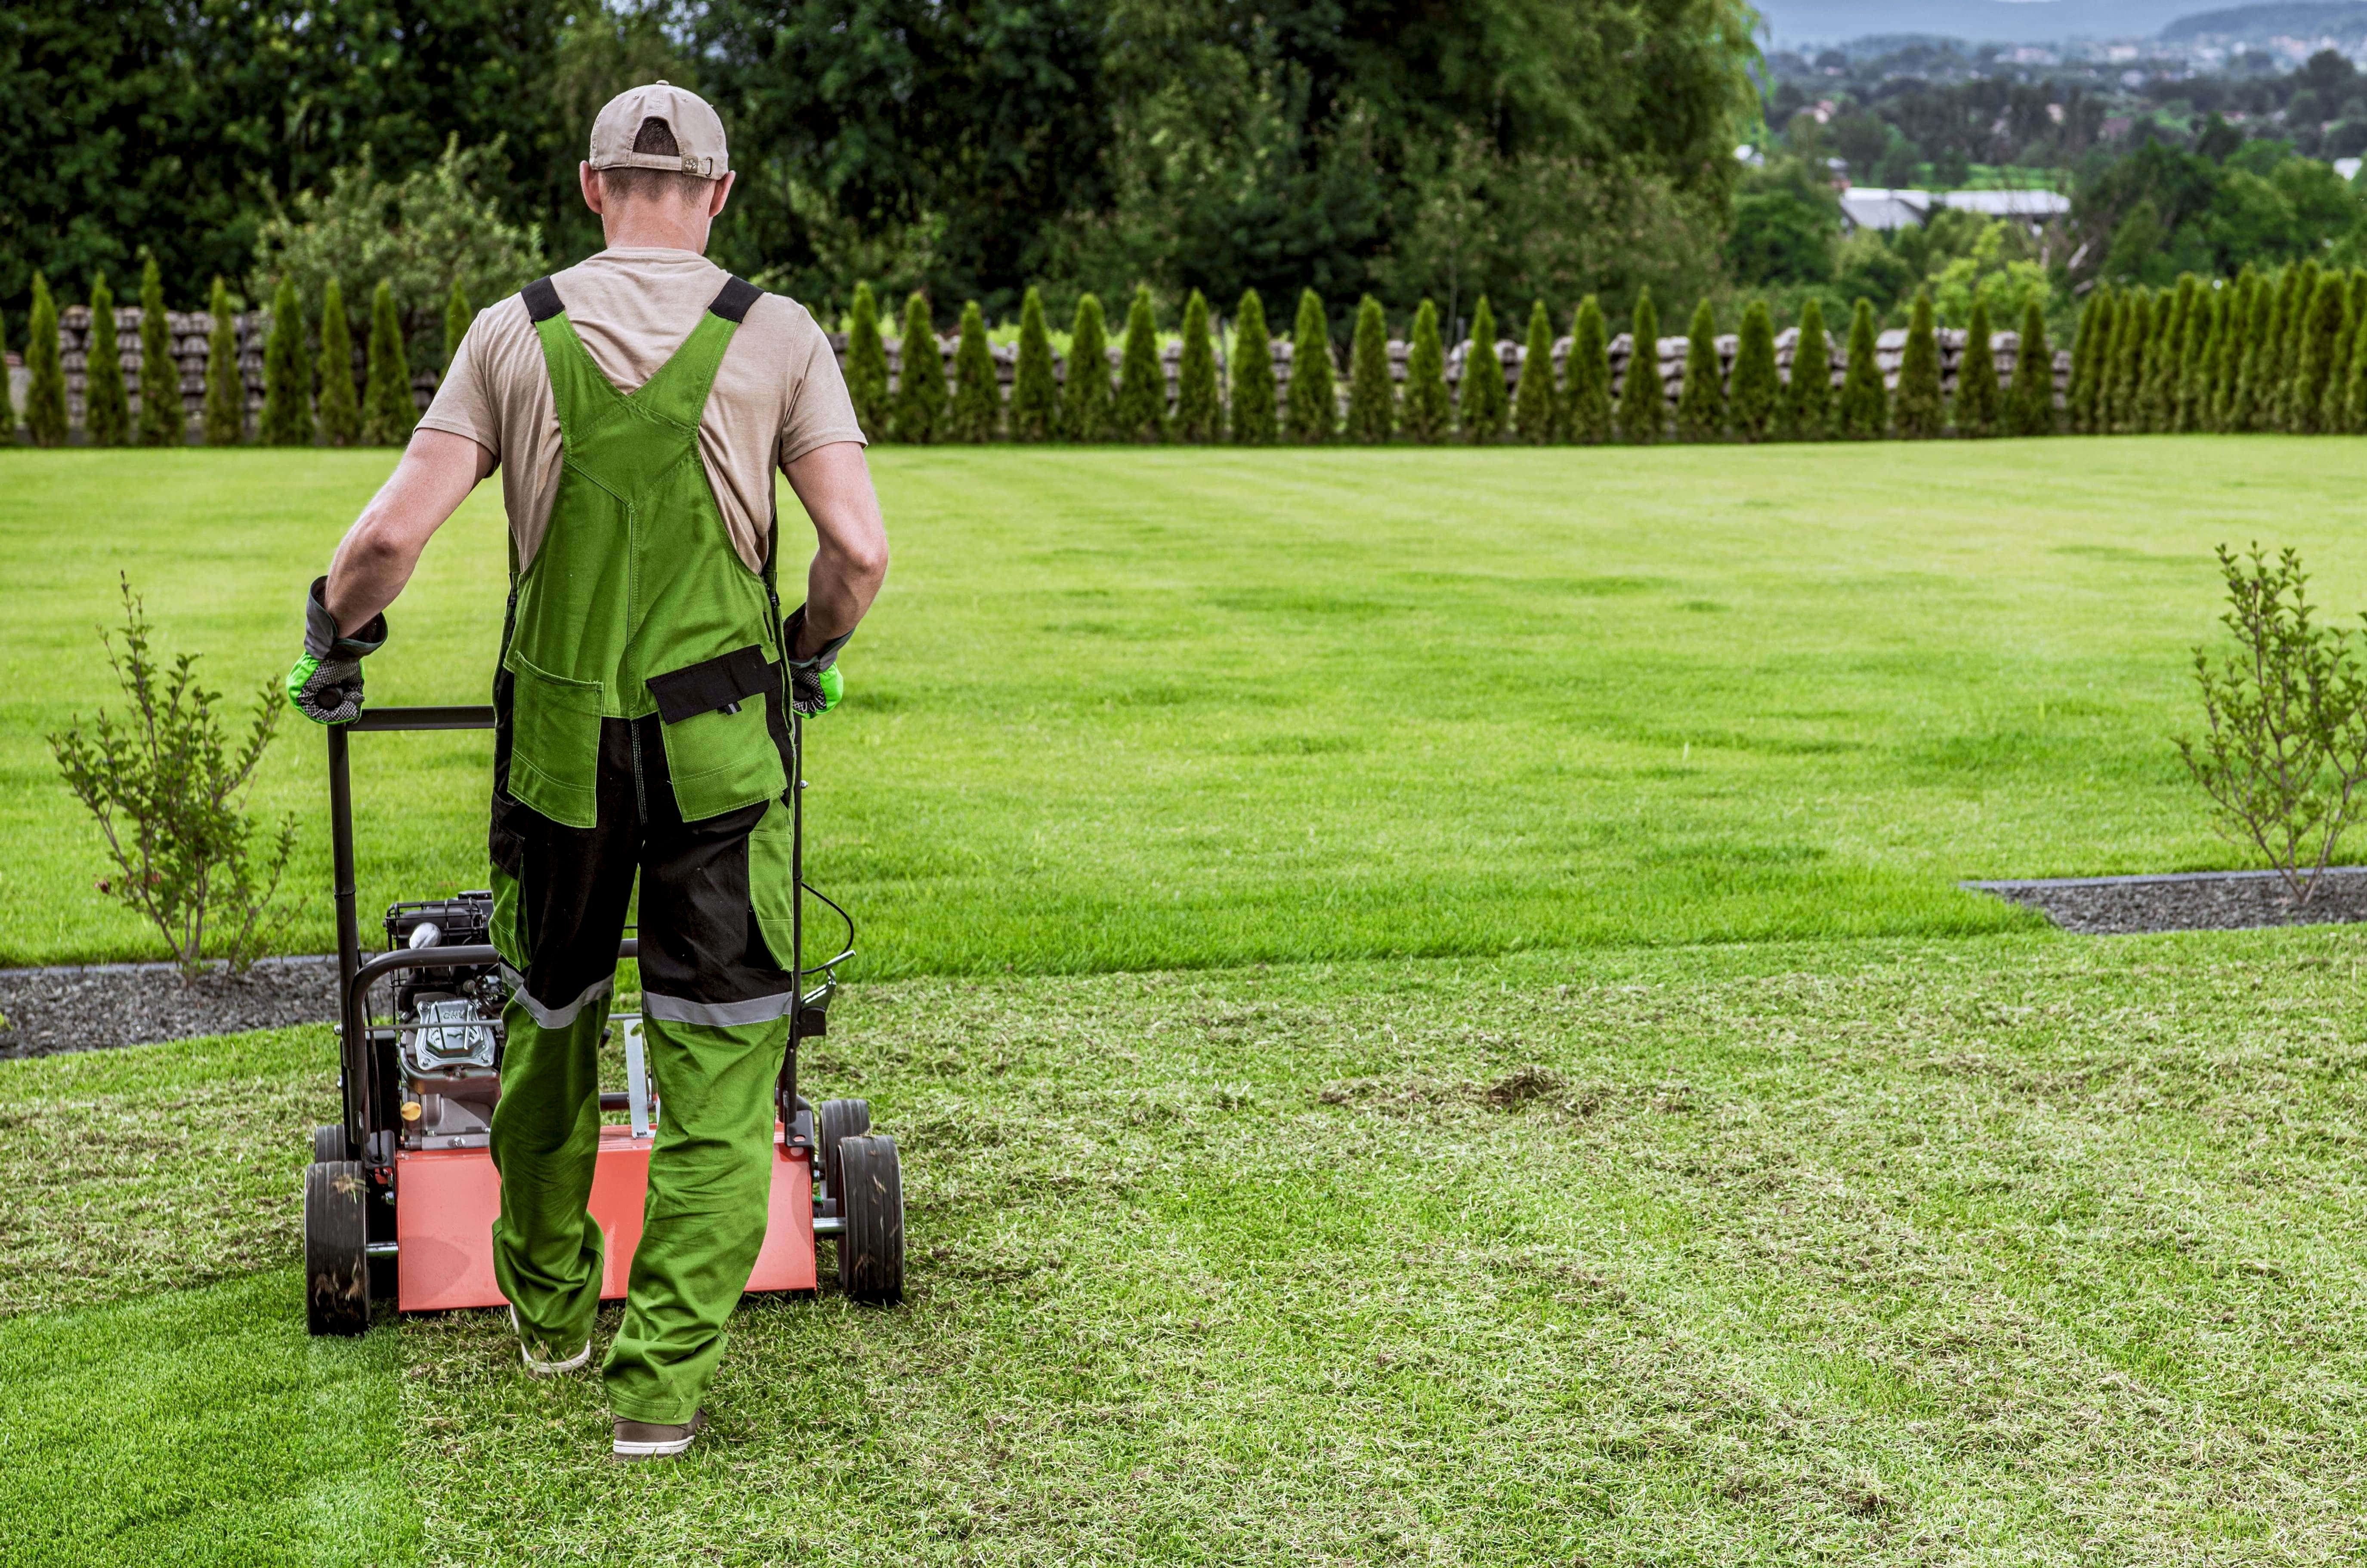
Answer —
(329, 1144)
(837, 1120)
(871, 1247)
(336, 1259)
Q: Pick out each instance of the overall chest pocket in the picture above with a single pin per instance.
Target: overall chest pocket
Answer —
(718, 741)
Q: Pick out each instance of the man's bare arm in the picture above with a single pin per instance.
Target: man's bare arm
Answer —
(851, 558)
(381, 549)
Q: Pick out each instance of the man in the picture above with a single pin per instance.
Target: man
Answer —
(637, 405)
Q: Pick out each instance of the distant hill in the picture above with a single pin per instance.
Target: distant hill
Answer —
(2258, 24)
(1792, 23)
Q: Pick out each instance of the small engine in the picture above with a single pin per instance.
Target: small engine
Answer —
(448, 1024)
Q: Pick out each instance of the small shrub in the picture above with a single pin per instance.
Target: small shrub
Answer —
(2030, 402)
(2285, 747)
(1141, 411)
(1537, 401)
(1865, 401)
(1371, 396)
(1253, 412)
(1808, 395)
(1085, 395)
(1483, 403)
(1035, 392)
(388, 411)
(45, 396)
(1643, 403)
(225, 407)
(287, 376)
(162, 421)
(1701, 398)
(1429, 412)
(978, 401)
(867, 365)
(919, 413)
(1978, 395)
(1587, 404)
(1921, 412)
(1756, 388)
(1200, 410)
(1314, 394)
(167, 788)
(340, 407)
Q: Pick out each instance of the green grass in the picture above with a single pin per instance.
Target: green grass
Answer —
(1124, 709)
(2003, 1250)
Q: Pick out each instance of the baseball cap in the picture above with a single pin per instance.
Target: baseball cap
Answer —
(697, 131)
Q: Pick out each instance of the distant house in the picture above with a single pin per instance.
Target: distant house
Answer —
(1871, 206)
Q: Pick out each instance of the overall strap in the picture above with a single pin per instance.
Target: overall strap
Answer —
(675, 395)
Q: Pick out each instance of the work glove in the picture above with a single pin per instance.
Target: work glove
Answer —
(327, 684)
(815, 685)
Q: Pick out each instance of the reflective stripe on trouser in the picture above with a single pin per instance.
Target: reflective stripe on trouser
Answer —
(560, 897)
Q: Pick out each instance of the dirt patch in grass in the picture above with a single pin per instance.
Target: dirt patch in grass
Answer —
(2187, 901)
(45, 1011)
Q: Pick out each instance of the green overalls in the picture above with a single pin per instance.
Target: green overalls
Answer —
(640, 731)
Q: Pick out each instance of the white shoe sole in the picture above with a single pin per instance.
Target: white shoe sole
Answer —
(665, 1448)
(540, 1369)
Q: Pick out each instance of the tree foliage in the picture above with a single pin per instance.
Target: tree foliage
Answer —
(287, 374)
(1371, 396)
(1920, 412)
(1864, 411)
(225, 409)
(866, 364)
(1429, 412)
(340, 409)
(1755, 391)
(1484, 405)
(1978, 399)
(1808, 395)
(1314, 392)
(388, 411)
(1253, 403)
(978, 401)
(920, 416)
(1587, 399)
(45, 391)
(1701, 398)
(162, 421)
(1200, 410)
(1035, 390)
(2030, 402)
(105, 400)
(1085, 393)
(1536, 402)
(1643, 404)
(1141, 412)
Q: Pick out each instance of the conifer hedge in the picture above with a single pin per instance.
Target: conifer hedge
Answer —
(1809, 396)
(1253, 407)
(1701, 397)
(1586, 401)
(2157, 401)
(2195, 351)
(1085, 394)
(1482, 402)
(45, 396)
(1372, 397)
(340, 407)
(2117, 404)
(387, 412)
(162, 421)
(2321, 332)
(106, 401)
(287, 374)
(1755, 389)
(1035, 391)
(1314, 394)
(1978, 399)
(2030, 402)
(2089, 347)
(920, 409)
(1643, 402)
(1199, 410)
(1923, 411)
(1865, 410)
(1536, 402)
(225, 405)
(1140, 412)
(978, 401)
(1429, 412)
(866, 364)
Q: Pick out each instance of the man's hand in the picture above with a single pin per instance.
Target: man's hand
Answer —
(815, 685)
(327, 683)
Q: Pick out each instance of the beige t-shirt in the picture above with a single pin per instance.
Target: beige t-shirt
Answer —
(777, 394)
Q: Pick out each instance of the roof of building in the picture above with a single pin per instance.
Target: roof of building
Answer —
(1872, 207)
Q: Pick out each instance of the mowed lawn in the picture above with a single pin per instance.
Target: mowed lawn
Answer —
(1127, 709)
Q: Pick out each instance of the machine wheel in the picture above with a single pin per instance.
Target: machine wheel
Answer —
(329, 1144)
(336, 1234)
(871, 1205)
(837, 1120)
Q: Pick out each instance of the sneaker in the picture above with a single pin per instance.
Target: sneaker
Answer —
(536, 1365)
(655, 1440)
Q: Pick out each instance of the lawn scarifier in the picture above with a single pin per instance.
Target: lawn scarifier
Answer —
(401, 1197)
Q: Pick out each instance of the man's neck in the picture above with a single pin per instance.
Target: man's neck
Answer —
(638, 231)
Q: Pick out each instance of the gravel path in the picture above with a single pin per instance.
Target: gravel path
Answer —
(87, 1008)
(2189, 901)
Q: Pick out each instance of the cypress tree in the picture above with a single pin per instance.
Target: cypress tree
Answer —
(162, 421)
(2234, 340)
(1536, 402)
(1253, 408)
(341, 408)
(106, 402)
(1372, 398)
(2334, 409)
(1978, 399)
(1085, 395)
(1314, 394)
(1808, 395)
(1035, 391)
(1199, 411)
(2164, 352)
(1428, 410)
(1923, 411)
(919, 413)
(1140, 412)
(2354, 398)
(1483, 402)
(1701, 396)
(2029, 403)
(978, 401)
(1643, 402)
(2195, 351)
(457, 314)
(45, 398)
(867, 365)
(225, 409)
(286, 377)
(7, 393)
(2321, 331)
(1586, 403)
(2256, 395)
(2090, 349)
(388, 411)
(2296, 327)
(2117, 404)
(1865, 401)
(1757, 390)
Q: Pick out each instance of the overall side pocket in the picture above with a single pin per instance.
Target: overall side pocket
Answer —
(772, 883)
(555, 743)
